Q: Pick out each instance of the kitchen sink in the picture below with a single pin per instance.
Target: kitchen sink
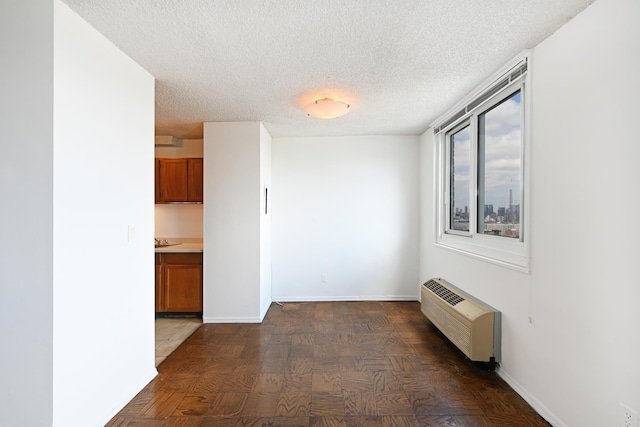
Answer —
(166, 245)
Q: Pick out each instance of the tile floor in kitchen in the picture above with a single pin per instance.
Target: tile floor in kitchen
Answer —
(171, 332)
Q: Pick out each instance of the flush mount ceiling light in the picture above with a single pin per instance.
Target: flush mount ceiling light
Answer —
(327, 108)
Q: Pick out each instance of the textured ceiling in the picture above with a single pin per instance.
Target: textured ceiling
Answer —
(399, 63)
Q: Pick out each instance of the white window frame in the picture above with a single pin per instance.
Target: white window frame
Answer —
(509, 252)
(447, 176)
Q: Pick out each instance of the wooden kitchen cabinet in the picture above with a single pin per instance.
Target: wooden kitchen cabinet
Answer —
(158, 282)
(179, 282)
(179, 180)
(195, 179)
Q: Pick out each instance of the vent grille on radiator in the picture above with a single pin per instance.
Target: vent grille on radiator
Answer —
(444, 293)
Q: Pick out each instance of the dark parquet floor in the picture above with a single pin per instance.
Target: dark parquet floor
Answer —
(325, 364)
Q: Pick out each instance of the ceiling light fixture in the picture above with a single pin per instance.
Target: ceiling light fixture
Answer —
(327, 108)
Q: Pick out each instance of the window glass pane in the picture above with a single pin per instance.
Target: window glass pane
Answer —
(460, 146)
(500, 168)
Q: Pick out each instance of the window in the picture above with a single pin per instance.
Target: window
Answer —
(459, 153)
(481, 209)
(500, 168)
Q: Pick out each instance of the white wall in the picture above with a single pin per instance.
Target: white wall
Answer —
(79, 350)
(265, 221)
(179, 221)
(579, 357)
(346, 208)
(103, 284)
(189, 148)
(232, 221)
(26, 229)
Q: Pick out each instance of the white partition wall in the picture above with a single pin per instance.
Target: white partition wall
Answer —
(265, 221)
(76, 180)
(103, 225)
(26, 229)
(236, 276)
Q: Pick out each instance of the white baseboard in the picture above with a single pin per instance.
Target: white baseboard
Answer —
(308, 299)
(380, 298)
(231, 320)
(132, 390)
(263, 311)
(530, 399)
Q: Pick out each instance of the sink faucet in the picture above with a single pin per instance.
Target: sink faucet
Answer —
(157, 241)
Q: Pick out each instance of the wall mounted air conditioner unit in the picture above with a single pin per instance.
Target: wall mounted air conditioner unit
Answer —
(473, 326)
(168, 141)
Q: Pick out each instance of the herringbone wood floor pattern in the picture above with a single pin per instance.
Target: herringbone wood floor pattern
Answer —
(325, 364)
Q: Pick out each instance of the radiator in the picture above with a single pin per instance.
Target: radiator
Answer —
(473, 326)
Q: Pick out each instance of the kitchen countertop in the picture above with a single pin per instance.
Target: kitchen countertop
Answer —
(180, 247)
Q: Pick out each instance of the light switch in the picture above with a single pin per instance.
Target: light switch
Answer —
(131, 233)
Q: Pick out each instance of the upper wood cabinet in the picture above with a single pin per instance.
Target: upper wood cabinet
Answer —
(179, 180)
(194, 180)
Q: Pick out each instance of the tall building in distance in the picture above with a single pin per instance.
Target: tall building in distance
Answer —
(512, 212)
(488, 210)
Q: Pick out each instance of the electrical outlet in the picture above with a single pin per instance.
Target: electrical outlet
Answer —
(628, 417)
(323, 278)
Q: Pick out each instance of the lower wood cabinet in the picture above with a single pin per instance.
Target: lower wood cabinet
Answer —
(179, 282)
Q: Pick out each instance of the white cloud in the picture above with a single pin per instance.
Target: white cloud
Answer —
(504, 118)
(462, 148)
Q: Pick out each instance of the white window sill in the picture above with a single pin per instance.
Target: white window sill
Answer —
(505, 252)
